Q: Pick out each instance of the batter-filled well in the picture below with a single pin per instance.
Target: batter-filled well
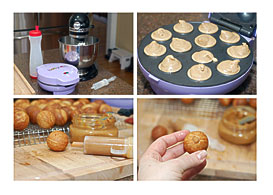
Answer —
(205, 41)
(180, 45)
(203, 56)
(170, 64)
(240, 51)
(229, 67)
(208, 28)
(229, 37)
(183, 27)
(199, 72)
(155, 49)
(161, 34)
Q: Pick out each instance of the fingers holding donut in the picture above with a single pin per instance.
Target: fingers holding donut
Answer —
(190, 161)
(161, 145)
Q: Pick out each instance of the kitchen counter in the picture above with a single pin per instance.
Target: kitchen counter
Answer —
(148, 22)
(117, 87)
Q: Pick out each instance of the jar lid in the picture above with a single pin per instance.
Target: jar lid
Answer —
(58, 74)
(36, 32)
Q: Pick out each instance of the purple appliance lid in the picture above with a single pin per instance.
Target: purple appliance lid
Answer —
(58, 74)
(126, 103)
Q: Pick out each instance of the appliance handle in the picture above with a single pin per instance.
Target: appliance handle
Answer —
(21, 37)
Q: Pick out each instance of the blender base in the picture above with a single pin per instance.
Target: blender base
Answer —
(92, 72)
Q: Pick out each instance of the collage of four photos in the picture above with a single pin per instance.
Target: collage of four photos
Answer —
(90, 105)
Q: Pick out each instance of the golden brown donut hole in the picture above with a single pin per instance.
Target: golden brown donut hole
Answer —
(46, 119)
(195, 141)
(60, 117)
(32, 112)
(159, 131)
(21, 120)
(57, 141)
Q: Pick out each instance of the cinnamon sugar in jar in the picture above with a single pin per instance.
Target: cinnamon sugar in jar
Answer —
(92, 125)
(238, 125)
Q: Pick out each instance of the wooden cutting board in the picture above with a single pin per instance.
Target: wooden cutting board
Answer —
(37, 162)
(21, 85)
(235, 162)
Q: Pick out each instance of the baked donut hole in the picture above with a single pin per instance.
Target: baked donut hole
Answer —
(239, 102)
(21, 120)
(84, 100)
(78, 104)
(105, 108)
(68, 110)
(225, 101)
(57, 141)
(93, 105)
(100, 102)
(16, 108)
(89, 110)
(20, 101)
(195, 141)
(252, 102)
(75, 112)
(159, 131)
(187, 100)
(65, 103)
(52, 107)
(60, 117)
(32, 112)
(46, 119)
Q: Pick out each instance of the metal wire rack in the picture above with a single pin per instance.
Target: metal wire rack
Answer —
(33, 134)
(205, 108)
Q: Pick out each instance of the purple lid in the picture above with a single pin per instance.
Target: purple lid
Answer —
(126, 103)
(58, 74)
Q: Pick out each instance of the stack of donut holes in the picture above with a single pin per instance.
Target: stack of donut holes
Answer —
(49, 112)
(238, 102)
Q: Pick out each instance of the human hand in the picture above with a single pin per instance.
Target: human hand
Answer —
(159, 162)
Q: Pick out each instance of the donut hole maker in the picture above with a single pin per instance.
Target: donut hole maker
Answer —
(179, 82)
(58, 78)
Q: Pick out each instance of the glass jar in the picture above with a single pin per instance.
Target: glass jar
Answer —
(92, 125)
(108, 146)
(238, 125)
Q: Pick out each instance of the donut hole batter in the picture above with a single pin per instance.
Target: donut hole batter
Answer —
(203, 56)
(240, 51)
(154, 49)
(170, 64)
(161, 34)
(208, 27)
(183, 27)
(199, 72)
(205, 41)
